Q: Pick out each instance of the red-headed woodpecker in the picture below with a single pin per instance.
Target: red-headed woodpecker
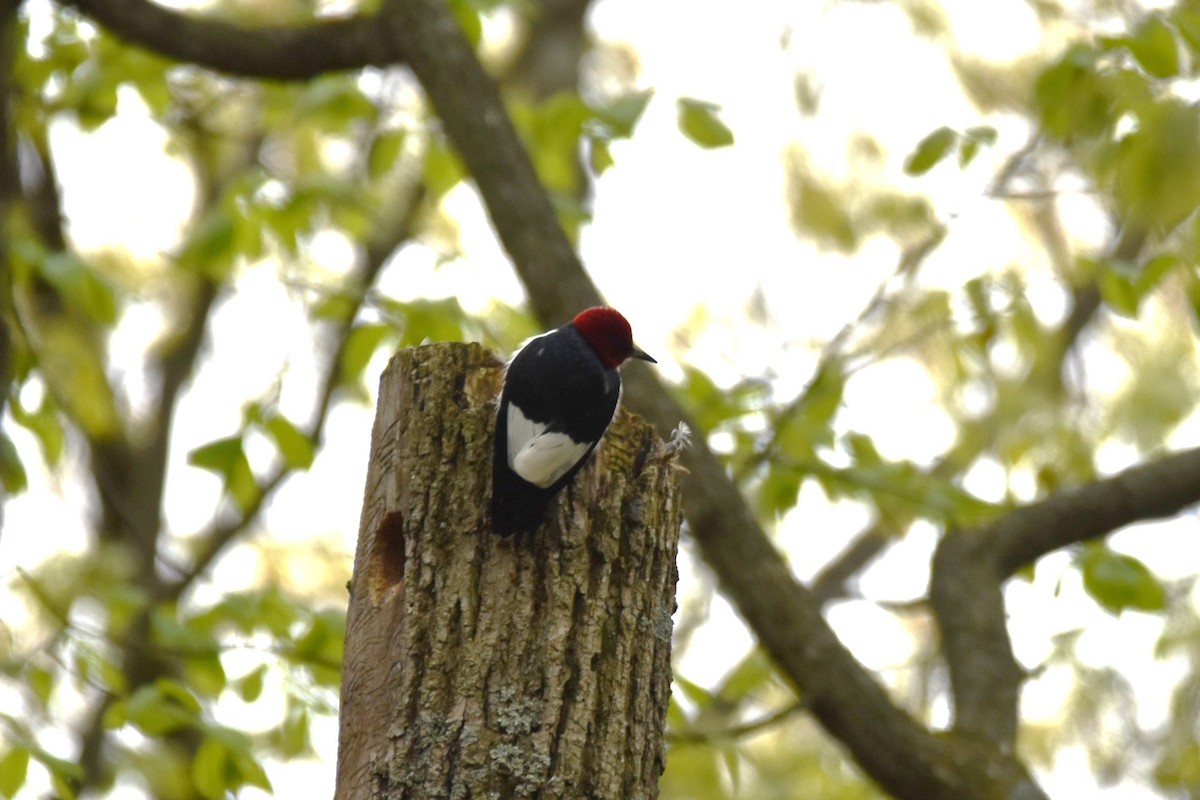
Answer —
(560, 393)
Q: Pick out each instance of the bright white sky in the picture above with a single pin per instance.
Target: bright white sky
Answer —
(676, 229)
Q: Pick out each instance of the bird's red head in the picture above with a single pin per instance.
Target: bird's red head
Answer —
(609, 335)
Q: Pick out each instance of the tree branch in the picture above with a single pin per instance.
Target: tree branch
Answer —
(831, 582)
(552, 48)
(10, 189)
(1154, 490)
(1086, 300)
(968, 603)
(970, 567)
(476, 122)
(280, 52)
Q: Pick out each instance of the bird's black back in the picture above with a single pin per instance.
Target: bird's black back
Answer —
(557, 380)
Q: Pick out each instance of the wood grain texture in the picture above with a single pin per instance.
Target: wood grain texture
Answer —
(476, 666)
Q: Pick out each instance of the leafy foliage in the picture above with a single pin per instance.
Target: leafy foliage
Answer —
(1118, 581)
(938, 144)
(699, 122)
(126, 649)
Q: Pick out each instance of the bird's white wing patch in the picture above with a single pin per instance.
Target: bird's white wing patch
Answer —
(548, 457)
(538, 456)
(521, 431)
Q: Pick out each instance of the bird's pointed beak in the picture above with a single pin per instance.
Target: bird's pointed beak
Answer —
(642, 354)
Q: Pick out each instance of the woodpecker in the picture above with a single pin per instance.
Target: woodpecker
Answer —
(560, 393)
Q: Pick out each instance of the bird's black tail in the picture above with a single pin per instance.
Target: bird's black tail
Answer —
(517, 505)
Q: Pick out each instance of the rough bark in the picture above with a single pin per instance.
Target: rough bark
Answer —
(476, 666)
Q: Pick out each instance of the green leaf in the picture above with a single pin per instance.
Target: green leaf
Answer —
(293, 736)
(467, 13)
(249, 771)
(984, 134)
(44, 423)
(110, 675)
(930, 150)
(1153, 272)
(1123, 286)
(426, 320)
(40, 681)
(386, 149)
(250, 687)
(80, 284)
(621, 115)
(699, 122)
(820, 211)
(295, 447)
(443, 169)
(233, 760)
(116, 715)
(676, 717)
(320, 647)
(693, 772)
(779, 491)
(227, 458)
(972, 140)
(335, 306)
(1187, 22)
(360, 346)
(693, 691)
(178, 693)
(732, 758)
(1153, 44)
(1073, 98)
(1158, 170)
(12, 471)
(1118, 288)
(218, 456)
(209, 248)
(161, 708)
(823, 396)
(183, 637)
(73, 364)
(572, 214)
(148, 73)
(92, 92)
(751, 674)
(552, 130)
(210, 768)
(1160, 393)
(64, 774)
(599, 155)
(334, 102)
(13, 767)
(64, 786)
(1118, 581)
(808, 423)
(252, 611)
(711, 405)
(205, 674)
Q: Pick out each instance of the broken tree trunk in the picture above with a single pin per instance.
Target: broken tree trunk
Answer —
(480, 667)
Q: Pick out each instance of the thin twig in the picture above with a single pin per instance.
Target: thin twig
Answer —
(692, 736)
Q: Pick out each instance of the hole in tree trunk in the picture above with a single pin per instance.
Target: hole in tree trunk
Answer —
(389, 545)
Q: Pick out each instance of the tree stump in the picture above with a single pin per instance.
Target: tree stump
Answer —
(481, 667)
